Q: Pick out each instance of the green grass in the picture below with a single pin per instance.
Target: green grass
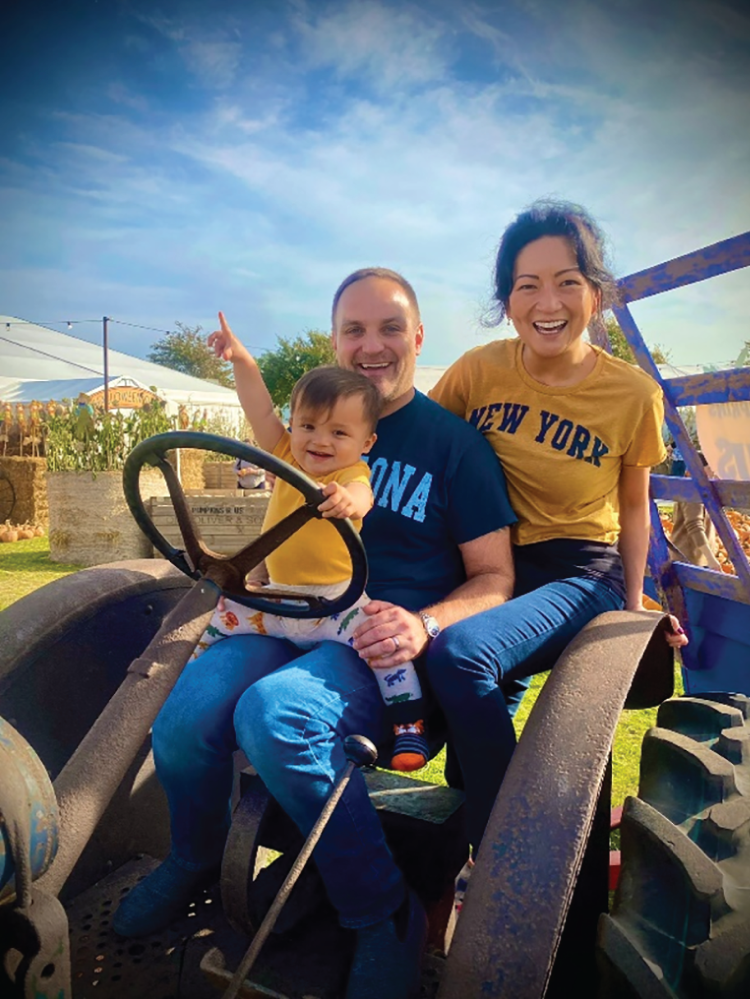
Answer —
(25, 566)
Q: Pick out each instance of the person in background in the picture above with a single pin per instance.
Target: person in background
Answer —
(693, 532)
(249, 476)
(678, 462)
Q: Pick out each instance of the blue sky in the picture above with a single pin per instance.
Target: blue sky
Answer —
(163, 160)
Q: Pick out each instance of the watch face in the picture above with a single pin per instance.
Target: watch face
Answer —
(431, 626)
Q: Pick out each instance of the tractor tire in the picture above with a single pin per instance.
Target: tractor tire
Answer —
(680, 923)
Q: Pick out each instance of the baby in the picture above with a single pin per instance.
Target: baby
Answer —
(333, 417)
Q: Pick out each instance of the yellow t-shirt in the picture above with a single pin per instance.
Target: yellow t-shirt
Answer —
(561, 448)
(316, 555)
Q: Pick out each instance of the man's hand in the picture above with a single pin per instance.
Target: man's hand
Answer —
(353, 500)
(391, 636)
(224, 343)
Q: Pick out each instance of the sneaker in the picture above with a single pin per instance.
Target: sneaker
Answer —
(388, 957)
(410, 750)
(163, 896)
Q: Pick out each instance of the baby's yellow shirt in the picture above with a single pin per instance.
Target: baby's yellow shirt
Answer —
(316, 555)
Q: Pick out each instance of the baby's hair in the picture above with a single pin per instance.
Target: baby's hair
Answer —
(321, 389)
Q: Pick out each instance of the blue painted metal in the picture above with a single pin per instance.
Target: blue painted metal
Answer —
(18, 760)
(718, 656)
(719, 258)
(733, 494)
(711, 386)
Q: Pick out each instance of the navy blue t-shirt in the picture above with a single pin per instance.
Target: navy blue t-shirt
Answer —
(437, 484)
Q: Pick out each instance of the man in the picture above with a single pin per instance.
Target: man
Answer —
(438, 546)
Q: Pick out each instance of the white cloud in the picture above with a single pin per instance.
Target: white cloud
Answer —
(364, 39)
(243, 207)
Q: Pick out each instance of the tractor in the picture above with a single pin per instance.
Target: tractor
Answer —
(87, 661)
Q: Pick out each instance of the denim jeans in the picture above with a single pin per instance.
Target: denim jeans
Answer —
(467, 662)
(289, 711)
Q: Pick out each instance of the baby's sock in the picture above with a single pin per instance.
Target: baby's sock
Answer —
(402, 693)
(410, 751)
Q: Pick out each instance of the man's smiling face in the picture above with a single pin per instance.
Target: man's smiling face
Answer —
(377, 332)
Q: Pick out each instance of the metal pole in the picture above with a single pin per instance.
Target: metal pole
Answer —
(105, 341)
(360, 752)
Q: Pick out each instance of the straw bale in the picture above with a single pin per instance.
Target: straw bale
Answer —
(28, 478)
(89, 520)
(191, 468)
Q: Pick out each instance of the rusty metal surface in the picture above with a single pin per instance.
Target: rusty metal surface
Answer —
(312, 964)
(710, 261)
(164, 965)
(243, 856)
(517, 900)
(28, 624)
(92, 775)
(34, 949)
(34, 955)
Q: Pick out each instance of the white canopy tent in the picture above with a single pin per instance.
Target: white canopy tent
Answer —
(40, 363)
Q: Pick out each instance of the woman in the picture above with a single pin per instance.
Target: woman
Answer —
(577, 432)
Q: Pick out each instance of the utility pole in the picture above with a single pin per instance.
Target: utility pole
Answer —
(105, 340)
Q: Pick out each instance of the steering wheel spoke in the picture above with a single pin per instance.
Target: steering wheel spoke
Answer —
(228, 572)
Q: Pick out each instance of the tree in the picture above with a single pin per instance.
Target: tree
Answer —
(622, 349)
(185, 350)
(285, 365)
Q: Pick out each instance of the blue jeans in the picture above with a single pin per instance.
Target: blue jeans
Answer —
(467, 661)
(289, 711)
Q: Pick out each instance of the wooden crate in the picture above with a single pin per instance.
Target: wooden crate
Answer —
(219, 475)
(227, 521)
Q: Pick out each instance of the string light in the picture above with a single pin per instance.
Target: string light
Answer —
(119, 322)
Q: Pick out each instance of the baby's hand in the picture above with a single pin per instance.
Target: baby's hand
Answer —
(225, 344)
(339, 504)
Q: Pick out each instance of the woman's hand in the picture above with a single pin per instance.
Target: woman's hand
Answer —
(391, 636)
(676, 639)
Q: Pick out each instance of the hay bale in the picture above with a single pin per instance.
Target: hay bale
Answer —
(27, 476)
(89, 520)
(191, 468)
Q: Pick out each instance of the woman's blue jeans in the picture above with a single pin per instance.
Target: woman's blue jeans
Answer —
(467, 661)
(289, 711)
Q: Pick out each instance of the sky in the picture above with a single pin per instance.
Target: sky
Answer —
(164, 160)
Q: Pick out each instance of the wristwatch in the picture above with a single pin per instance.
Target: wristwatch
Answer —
(430, 625)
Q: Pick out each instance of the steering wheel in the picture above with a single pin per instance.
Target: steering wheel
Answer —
(228, 572)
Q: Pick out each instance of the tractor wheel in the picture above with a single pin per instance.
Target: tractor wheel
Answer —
(680, 924)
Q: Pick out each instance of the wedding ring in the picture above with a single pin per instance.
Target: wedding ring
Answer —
(396, 642)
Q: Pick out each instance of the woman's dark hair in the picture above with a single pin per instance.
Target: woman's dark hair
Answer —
(321, 389)
(553, 218)
(374, 272)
